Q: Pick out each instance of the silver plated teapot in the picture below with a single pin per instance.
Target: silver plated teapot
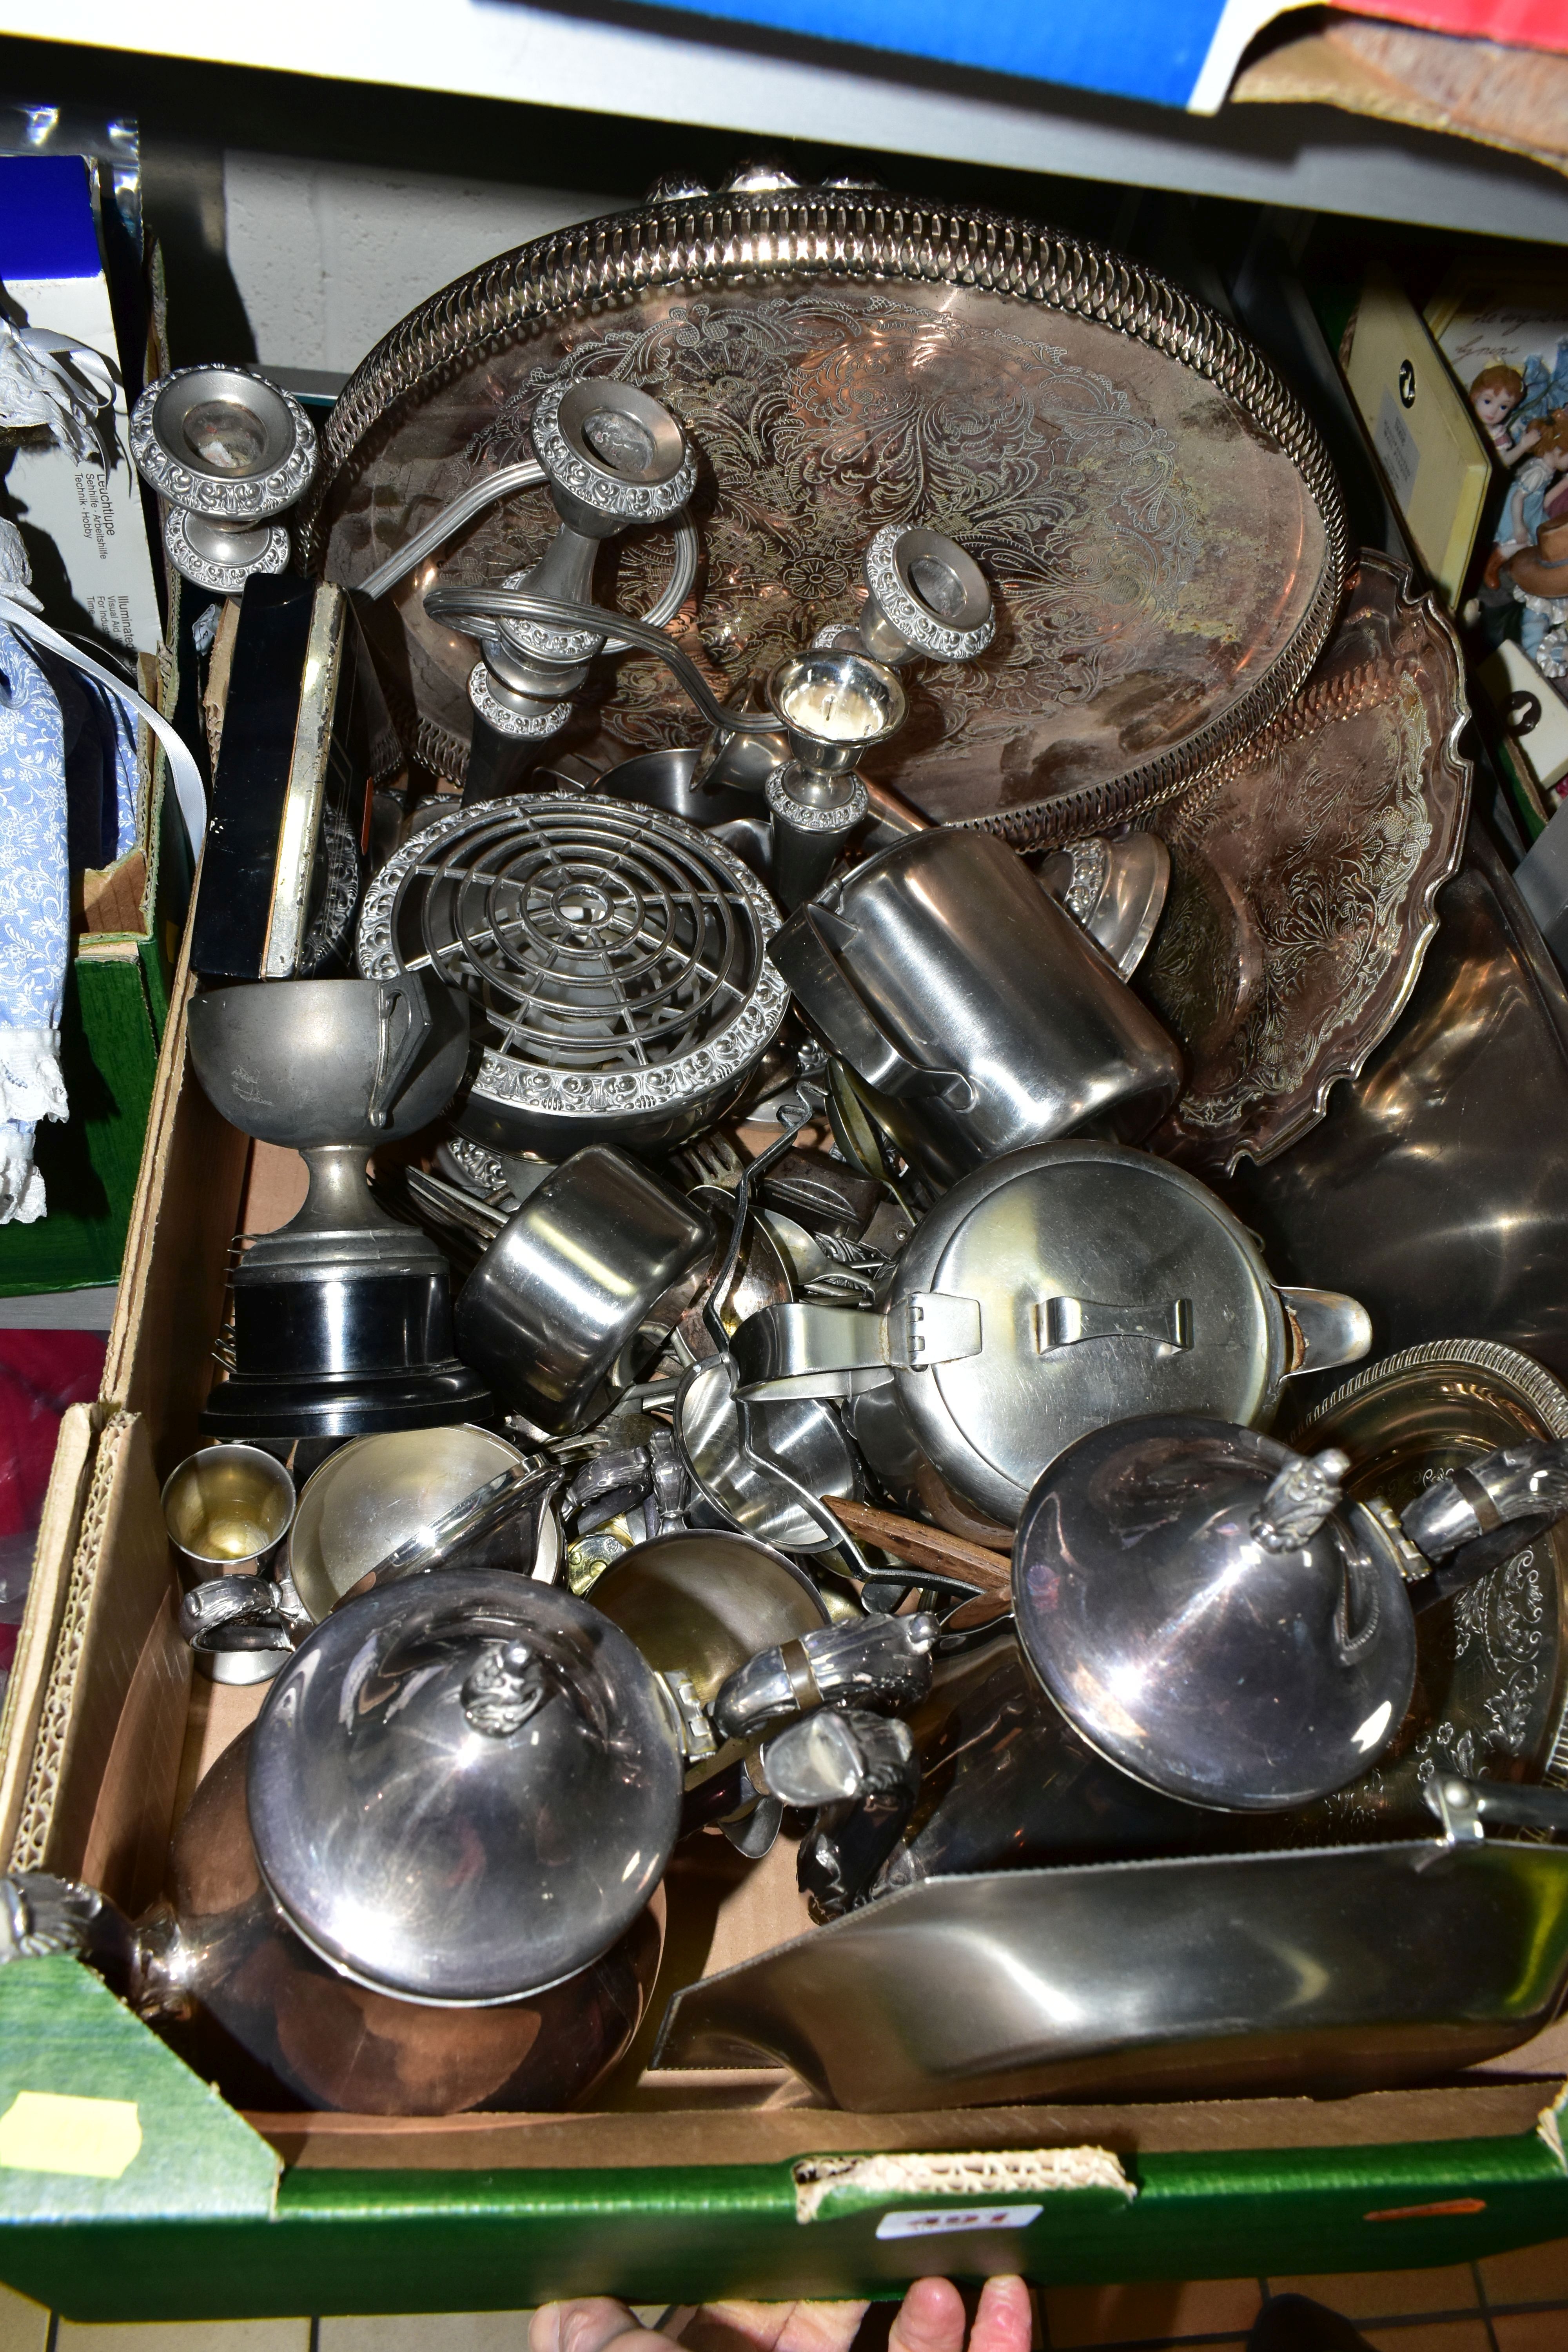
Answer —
(1049, 1294)
(1210, 1615)
(426, 1878)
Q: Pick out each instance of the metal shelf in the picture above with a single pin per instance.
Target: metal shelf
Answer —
(607, 58)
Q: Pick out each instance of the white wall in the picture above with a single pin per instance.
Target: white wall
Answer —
(327, 257)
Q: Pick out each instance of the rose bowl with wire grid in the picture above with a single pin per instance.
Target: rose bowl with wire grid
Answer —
(615, 958)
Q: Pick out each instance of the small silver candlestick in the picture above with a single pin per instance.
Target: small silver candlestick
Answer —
(834, 706)
(926, 600)
(614, 457)
(226, 452)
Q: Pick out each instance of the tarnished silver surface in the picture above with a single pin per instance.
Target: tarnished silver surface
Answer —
(1306, 872)
(1157, 514)
(1215, 1628)
(1430, 1189)
(463, 1788)
(582, 1285)
(528, 474)
(972, 1004)
(1320, 1972)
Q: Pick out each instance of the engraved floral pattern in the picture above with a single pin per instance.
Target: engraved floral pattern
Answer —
(820, 419)
(1303, 877)
(1490, 1665)
(1154, 553)
(1489, 1668)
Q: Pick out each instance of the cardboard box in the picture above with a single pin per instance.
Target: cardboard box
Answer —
(1426, 441)
(673, 2189)
(85, 523)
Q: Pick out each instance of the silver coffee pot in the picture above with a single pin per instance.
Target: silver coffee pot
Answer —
(977, 1011)
(1211, 1617)
(422, 1880)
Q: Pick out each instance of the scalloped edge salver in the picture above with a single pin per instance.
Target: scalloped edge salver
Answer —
(1293, 722)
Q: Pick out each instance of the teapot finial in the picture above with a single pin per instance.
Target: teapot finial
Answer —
(504, 1690)
(1298, 1499)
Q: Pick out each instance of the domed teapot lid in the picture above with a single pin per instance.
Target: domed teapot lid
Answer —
(1100, 1281)
(1196, 1603)
(463, 1788)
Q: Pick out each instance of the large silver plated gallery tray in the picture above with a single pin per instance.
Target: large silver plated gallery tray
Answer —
(1366, 1967)
(1158, 516)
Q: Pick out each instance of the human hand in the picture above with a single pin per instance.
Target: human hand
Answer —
(929, 2319)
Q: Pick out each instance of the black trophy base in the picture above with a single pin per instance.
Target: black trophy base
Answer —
(353, 1404)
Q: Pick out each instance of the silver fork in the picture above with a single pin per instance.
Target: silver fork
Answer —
(712, 1160)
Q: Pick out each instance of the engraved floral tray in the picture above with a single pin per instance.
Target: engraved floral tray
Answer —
(1490, 1666)
(1304, 873)
(1156, 512)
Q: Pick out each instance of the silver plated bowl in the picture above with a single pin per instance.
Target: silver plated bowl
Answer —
(376, 1493)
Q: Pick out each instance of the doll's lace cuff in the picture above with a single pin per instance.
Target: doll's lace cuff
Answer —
(31, 1086)
(21, 1186)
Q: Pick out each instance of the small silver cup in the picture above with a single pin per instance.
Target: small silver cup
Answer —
(227, 1508)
